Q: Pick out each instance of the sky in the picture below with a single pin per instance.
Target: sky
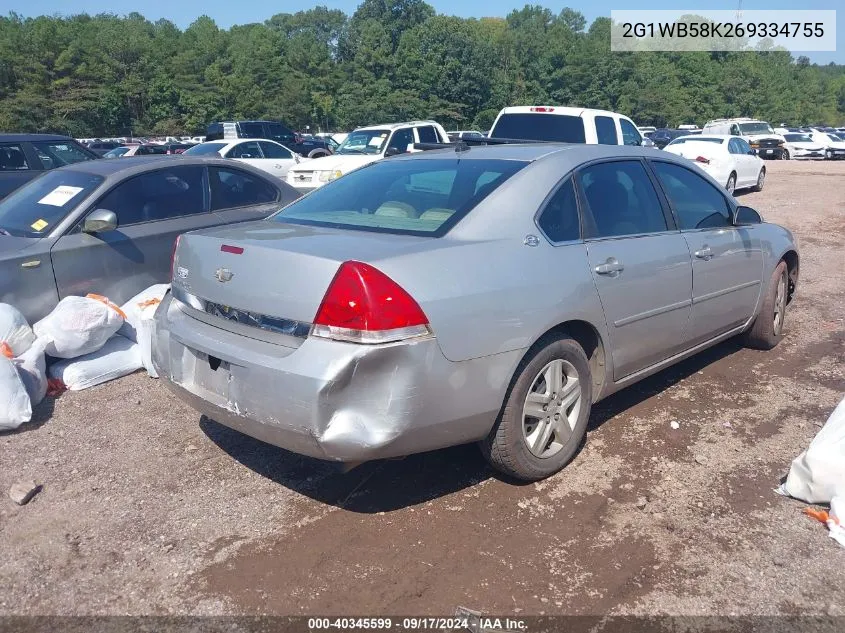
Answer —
(226, 13)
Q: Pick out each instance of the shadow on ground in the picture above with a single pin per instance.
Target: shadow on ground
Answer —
(387, 485)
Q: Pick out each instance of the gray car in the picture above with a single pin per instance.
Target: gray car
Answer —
(109, 227)
(488, 295)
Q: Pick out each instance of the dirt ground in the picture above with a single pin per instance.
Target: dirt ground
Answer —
(148, 509)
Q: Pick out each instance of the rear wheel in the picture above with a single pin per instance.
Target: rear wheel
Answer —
(731, 183)
(545, 415)
(761, 180)
(785, 155)
(767, 330)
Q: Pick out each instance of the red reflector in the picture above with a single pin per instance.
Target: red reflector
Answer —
(701, 159)
(542, 109)
(235, 250)
(361, 297)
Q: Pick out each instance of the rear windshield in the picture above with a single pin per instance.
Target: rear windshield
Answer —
(205, 149)
(697, 139)
(413, 197)
(540, 127)
(36, 208)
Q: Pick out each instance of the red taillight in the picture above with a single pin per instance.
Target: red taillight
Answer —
(173, 255)
(363, 305)
(234, 250)
(542, 109)
(701, 159)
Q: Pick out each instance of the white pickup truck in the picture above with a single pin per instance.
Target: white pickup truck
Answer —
(362, 147)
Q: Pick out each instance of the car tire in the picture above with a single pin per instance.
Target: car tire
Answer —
(767, 330)
(785, 155)
(731, 184)
(761, 180)
(530, 448)
(828, 155)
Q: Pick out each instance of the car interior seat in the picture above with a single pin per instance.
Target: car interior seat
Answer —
(608, 202)
(437, 213)
(396, 209)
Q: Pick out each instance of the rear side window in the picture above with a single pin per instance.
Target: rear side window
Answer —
(232, 188)
(559, 219)
(697, 203)
(621, 200)
(427, 134)
(606, 131)
(157, 195)
(540, 127)
(58, 153)
(414, 197)
(630, 134)
(12, 158)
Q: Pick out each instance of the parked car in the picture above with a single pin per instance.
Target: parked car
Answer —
(758, 134)
(800, 146)
(730, 160)
(108, 226)
(566, 125)
(269, 130)
(456, 135)
(362, 147)
(136, 149)
(834, 147)
(423, 313)
(101, 147)
(269, 156)
(177, 148)
(662, 137)
(25, 156)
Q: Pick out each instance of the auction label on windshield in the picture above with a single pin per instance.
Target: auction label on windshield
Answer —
(39, 225)
(59, 196)
(722, 30)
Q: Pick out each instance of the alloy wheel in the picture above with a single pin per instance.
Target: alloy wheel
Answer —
(551, 408)
(780, 305)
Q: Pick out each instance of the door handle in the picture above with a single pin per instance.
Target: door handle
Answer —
(705, 253)
(35, 263)
(278, 166)
(610, 267)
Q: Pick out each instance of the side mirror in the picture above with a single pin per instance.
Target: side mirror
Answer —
(744, 216)
(296, 158)
(100, 221)
(393, 151)
(647, 142)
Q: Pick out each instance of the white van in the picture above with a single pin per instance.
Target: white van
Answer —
(758, 134)
(566, 125)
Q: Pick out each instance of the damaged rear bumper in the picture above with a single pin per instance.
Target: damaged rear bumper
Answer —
(327, 399)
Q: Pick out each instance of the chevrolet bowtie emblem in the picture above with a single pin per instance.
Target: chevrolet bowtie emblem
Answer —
(223, 275)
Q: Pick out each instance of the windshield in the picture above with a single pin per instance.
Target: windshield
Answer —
(413, 197)
(117, 152)
(540, 127)
(697, 139)
(834, 138)
(798, 138)
(205, 149)
(756, 128)
(364, 142)
(34, 209)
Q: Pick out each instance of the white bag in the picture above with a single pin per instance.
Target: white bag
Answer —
(118, 357)
(138, 326)
(32, 369)
(79, 326)
(818, 474)
(14, 330)
(15, 407)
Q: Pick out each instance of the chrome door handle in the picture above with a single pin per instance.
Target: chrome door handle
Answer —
(611, 267)
(35, 263)
(704, 253)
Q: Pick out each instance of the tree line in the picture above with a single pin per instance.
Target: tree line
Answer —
(391, 60)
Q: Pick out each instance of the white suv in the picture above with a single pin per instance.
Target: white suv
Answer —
(566, 125)
(362, 147)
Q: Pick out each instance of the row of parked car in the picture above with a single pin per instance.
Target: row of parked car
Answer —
(422, 312)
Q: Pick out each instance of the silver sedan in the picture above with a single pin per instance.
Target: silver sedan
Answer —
(489, 295)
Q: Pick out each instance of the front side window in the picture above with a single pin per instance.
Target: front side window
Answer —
(697, 203)
(630, 134)
(232, 188)
(12, 158)
(157, 195)
(37, 207)
(540, 127)
(606, 131)
(414, 197)
(559, 219)
(744, 147)
(401, 139)
(245, 150)
(364, 142)
(54, 154)
(272, 150)
(621, 200)
(279, 132)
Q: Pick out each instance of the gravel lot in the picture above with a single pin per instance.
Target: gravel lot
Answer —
(147, 509)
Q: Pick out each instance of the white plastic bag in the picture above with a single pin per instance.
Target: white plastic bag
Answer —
(79, 326)
(818, 474)
(15, 407)
(118, 357)
(14, 330)
(139, 324)
(32, 369)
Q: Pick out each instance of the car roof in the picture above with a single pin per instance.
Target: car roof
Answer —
(141, 164)
(393, 126)
(19, 138)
